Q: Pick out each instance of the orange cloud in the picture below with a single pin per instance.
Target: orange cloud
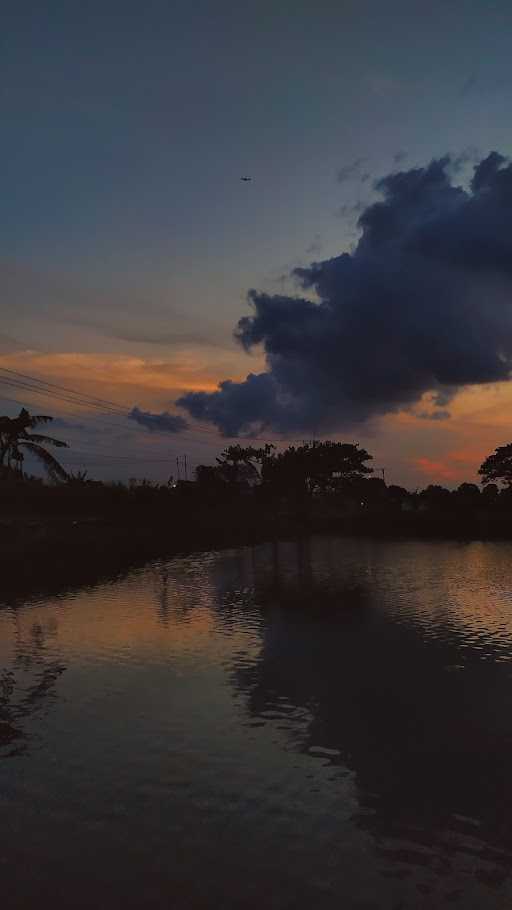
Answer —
(452, 450)
(455, 467)
(412, 450)
(435, 470)
(124, 378)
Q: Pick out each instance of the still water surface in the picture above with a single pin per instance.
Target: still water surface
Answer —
(318, 724)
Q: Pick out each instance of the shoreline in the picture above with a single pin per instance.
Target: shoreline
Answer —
(41, 554)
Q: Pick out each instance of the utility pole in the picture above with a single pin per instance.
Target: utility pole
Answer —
(182, 467)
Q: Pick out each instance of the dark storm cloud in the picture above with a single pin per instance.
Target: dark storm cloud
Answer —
(158, 423)
(422, 304)
(255, 397)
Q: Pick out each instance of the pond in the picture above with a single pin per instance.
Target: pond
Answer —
(324, 723)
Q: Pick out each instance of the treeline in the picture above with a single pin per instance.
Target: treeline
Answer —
(341, 471)
(74, 527)
(333, 476)
(71, 528)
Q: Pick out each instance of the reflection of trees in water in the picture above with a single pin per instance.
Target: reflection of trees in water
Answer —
(184, 585)
(163, 595)
(430, 743)
(27, 685)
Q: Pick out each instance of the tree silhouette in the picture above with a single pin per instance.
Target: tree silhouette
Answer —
(498, 466)
(243, 463)
(16, 438)
(435, 496)
(318, 467)
(490, 493)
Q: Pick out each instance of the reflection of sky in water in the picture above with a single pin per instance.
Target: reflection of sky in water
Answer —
(319, 723)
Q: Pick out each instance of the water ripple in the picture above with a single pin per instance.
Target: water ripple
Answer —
(298, 724)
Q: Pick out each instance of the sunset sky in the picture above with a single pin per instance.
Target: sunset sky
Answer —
(129, 243)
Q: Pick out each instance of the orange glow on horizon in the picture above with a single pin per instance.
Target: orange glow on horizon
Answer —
(125, 378)
(446, 451)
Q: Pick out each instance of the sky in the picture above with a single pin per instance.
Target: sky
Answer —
(129, 244)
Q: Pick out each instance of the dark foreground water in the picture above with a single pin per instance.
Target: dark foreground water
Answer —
(326, 724)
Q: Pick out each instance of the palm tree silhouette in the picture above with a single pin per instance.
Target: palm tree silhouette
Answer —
(15, 438)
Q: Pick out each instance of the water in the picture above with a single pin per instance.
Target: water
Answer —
(324, 724)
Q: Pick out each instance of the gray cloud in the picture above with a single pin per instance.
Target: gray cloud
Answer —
(144, 336)
(9, 345)
(349, 209)
(158, 423)
(28, 294)
(423, 303)
(140, 332)
(355, 170)
(315, 246)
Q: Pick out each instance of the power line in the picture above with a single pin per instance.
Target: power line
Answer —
(40, 389)
(39, 386)
(93, 449)
(93, 456)
(51, 390)
(108, 423)
(31, 383)
(54, 385)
